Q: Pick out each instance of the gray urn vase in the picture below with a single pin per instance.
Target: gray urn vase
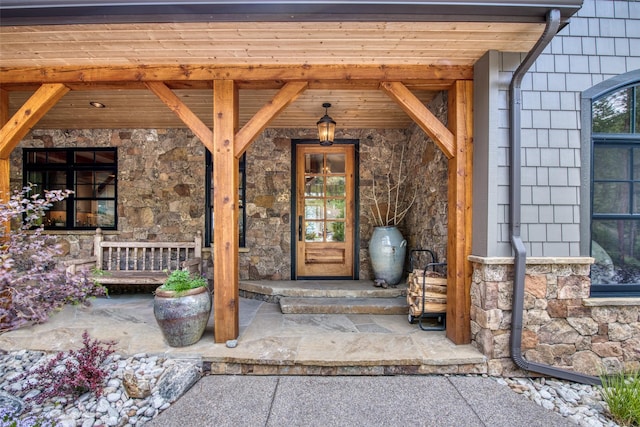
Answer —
(387, 250)
(182, 317)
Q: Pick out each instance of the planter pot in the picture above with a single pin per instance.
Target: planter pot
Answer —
(387, 249)
(182, 318)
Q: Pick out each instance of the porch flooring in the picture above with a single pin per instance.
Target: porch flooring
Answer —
(270, 342)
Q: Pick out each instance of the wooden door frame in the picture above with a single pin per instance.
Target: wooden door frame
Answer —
(356, 201)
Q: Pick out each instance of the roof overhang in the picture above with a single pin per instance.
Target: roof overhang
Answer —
(108, 50)
(50, 12)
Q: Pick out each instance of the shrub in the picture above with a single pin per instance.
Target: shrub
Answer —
(72, 373)
(622, 394)
(181, 281)
(32, 285)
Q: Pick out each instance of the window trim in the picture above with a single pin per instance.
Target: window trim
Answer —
(587, 143)
(70, 168)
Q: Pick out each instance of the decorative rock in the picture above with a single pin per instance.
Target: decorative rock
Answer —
(578, 403)
(136, 387)
(113, 397)
(157, 401)
(568, 395)
(178, 379)
(10, 403)
(66, 421)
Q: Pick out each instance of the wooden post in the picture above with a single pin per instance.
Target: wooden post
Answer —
(225, 215)
(460, 120)
(97, 249)
(5, 170)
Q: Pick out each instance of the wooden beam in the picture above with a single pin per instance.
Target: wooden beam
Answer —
(5, 163)
(28, 115)
(421, 115)
(4, 107)
(268, 112)
(459, 230)
(245, 73)
(225, 212)
(183, 112)
(435, 85)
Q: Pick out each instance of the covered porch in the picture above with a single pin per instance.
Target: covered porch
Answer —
(302, 64)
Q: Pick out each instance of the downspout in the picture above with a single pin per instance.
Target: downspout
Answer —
(515, 109)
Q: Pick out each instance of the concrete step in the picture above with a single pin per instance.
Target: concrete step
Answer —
(319, 305)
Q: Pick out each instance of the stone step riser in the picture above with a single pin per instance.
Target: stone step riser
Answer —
(385, 306)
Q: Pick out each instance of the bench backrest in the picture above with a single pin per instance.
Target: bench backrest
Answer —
(144, 256)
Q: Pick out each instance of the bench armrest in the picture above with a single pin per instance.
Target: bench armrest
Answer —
(73, 265)
(192, 265)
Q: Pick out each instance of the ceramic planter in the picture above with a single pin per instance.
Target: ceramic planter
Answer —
(387, 249)
(182, 317)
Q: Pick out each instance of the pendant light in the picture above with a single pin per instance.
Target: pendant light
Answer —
(326, 127)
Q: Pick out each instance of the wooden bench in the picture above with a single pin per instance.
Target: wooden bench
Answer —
(138, 263)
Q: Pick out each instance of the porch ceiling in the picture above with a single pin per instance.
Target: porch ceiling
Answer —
(39, 49)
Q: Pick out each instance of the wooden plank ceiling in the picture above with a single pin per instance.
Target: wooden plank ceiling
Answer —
(256, 44)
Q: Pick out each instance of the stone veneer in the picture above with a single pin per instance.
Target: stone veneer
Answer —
(562, 326)
(161, 189)
(425, 226)
(160, 182)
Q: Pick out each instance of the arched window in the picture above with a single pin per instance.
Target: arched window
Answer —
(615, 191)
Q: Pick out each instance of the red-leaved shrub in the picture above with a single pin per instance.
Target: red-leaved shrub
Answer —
(72, 373)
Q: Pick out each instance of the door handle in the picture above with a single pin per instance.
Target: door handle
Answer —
(300, 228)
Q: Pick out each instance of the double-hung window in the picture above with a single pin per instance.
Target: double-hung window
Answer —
(89, 172)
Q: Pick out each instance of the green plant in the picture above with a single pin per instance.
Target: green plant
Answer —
(622, 394)
(181, 281)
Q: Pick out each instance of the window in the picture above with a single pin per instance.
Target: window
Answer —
(242, 213)
(615, 192)
(89, 172)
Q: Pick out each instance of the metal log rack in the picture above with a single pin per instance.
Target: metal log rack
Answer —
(434, 265)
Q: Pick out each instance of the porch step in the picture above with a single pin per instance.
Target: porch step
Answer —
(319, 305)
(274, 290)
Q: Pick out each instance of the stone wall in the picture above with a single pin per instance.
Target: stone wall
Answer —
(160, 182)
(562, 326)
(267, 254)
(426, 224)
(161, 189)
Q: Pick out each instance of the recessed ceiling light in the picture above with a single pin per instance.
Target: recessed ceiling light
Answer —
(97, 104)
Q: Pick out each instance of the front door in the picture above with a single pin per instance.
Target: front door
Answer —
(325, 211)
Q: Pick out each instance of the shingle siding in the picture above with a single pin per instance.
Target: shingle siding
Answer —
(600, 42)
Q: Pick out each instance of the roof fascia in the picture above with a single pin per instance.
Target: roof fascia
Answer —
(54, 12)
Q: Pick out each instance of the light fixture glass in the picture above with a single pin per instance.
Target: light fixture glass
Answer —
(97, 104)
(326, 127)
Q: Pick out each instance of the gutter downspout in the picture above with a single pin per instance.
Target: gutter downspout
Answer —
(515, 109)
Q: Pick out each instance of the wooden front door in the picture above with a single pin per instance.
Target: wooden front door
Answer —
(325, 211)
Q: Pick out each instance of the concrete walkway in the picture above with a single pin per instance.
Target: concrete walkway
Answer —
(343, 370)
(309, 401)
